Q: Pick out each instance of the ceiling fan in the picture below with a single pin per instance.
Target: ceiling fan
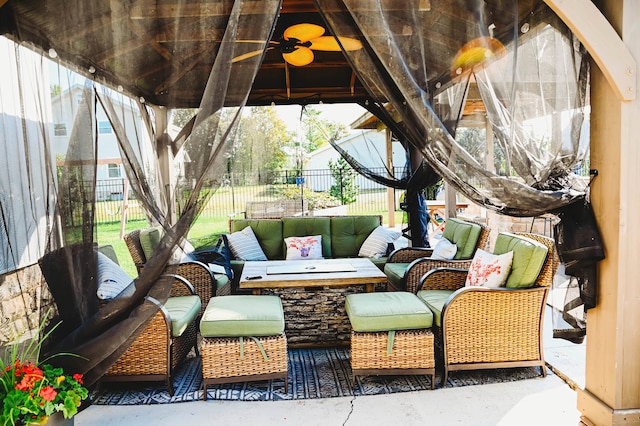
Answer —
(298, 43)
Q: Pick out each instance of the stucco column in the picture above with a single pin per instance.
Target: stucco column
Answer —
(612, 389)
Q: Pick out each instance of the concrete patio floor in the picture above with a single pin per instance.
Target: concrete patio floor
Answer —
(548, 401)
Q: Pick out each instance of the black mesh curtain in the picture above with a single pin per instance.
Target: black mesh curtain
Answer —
(532, 75)
(100, 334)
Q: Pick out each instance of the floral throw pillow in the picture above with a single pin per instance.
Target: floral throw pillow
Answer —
(489, 270)
(304, 248)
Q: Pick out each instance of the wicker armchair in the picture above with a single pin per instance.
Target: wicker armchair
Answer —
(409, 264)
(480, 328)
(205, 283)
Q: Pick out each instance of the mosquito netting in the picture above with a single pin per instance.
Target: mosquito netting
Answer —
(530, 71)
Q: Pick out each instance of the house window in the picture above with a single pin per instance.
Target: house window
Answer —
(104, 127)
(60, 129)
(114, 170)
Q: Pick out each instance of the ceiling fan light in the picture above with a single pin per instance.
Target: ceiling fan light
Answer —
(478, 52)
(300, 57)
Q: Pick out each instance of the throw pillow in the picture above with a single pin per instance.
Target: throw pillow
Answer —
(444, 250)
(245, 246)
(489, 270)
(376, 244)
(304, 248)
(112, 279)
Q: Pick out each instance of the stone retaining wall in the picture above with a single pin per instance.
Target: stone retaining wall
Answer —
(24, 296)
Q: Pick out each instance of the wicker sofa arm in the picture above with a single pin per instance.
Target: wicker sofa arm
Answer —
(408, 254)
(506, 324)
(418, 268)
(443, 279)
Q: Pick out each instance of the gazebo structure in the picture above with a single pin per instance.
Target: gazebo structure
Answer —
(215, 54)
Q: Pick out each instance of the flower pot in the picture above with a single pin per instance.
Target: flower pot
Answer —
(57, 419)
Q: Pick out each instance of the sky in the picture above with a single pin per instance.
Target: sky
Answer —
(341, 113)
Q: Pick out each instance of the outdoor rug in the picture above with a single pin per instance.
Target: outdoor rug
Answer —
(313, 373)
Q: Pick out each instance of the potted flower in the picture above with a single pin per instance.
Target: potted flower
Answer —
(31, 392)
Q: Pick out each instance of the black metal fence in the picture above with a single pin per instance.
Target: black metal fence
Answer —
(240, 189)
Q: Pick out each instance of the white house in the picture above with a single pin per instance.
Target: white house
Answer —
(372, 152)
(110, 173)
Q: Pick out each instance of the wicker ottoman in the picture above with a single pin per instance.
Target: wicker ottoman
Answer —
(242, 340)
(390, 334)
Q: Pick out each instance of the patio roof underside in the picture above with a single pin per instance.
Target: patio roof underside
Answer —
(136, 45)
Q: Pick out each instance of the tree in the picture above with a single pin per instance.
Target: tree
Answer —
(259, 147)
(319, 131)
(180, 117)
(344, 176)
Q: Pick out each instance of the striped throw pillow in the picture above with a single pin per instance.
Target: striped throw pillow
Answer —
(245, 246)
(376, 244)
(112, 279)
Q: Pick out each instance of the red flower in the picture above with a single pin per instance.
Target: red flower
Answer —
(48, 393)
(78, 378)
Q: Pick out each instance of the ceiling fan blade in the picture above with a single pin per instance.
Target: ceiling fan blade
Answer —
(303, 32)
(300, 57)
(331, 44)
(249, 55)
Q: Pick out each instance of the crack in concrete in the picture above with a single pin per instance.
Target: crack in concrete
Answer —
(350, 411)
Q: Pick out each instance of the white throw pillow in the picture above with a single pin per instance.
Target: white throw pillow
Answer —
(444, 250)
(489, 270)
(304, 248)
(112, 279)
(245, 246)
(376, 244)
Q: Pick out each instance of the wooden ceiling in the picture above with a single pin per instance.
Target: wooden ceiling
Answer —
(132, 44)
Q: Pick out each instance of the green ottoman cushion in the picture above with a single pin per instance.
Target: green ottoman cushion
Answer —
(435, 300)
(395, 274)
(397, 310)
(183, 310)
(235, 316)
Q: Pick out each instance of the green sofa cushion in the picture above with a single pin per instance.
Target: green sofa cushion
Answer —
(528, 258)
(385, 311)
(395, 274)
(268, 232)
(183, 310)
(435, 300)
(305, 226)
(235, 316)
(149, 240)
(349, 232)
(464, 235)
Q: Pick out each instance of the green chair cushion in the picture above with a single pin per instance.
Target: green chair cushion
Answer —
(149, 240)
(380, 262)
(221, 280)
(435, 300)
(305, 226)
(395, 274)
(528, 258)
(240, 315)
(349, 232)
(464, 235)
(183, 310)
(268, 232)
(397, 310)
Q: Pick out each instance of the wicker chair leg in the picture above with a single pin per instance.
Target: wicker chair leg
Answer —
(445, 374)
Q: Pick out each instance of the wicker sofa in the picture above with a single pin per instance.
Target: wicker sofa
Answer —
(480, 327)
(342, 236)
(406, 266)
